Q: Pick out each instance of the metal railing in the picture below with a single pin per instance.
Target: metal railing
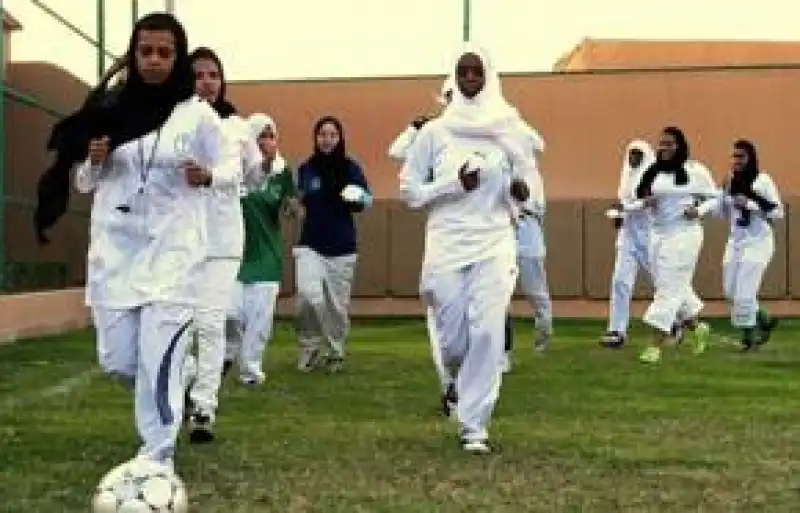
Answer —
(23, 275)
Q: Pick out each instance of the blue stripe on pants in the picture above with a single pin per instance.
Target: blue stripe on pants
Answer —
(162, 380)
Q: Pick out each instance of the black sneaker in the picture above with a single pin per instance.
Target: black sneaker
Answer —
(677, 333)
(765, 327)
(335, 364)
(188, 406)
(612, 340)
(226, 367)
(202, 429)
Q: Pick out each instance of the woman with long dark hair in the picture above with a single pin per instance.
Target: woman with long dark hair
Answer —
(145, 157)
(751, 203)
(678, 192)
(332, 189)
(225, 238)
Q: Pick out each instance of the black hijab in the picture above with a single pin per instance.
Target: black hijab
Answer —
(135, 110)
(223, 107)
(675, 165)
(742, 182)
(332, 166)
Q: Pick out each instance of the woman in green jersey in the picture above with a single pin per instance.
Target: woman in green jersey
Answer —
(266, 196)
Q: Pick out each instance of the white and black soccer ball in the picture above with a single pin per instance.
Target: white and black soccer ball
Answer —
(140, 486)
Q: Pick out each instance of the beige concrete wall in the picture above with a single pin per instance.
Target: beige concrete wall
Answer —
(586, 119)
(41, 313)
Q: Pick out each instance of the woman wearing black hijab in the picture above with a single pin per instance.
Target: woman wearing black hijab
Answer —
(751, 202)
(332, 188)
(144, 156)
(678, 192)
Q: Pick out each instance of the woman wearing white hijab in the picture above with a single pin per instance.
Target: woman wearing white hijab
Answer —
(267, 194)
(476, 150)
(398, 151)
(633, 240)
(400, 146)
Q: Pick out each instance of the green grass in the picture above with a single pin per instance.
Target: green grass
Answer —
(579, 429)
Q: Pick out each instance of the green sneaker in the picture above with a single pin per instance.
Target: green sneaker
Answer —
(650, 355)
(699, 338)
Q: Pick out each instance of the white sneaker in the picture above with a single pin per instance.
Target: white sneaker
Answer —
(253, 380)
(476, 447)
(542, 341)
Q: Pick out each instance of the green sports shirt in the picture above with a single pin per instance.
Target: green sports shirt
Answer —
(263, 239)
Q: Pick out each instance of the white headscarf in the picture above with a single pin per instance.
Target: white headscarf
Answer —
(256, 125)
(489, 114)
(448, 87)
(629, 176)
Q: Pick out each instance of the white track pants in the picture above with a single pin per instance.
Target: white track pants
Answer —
(470, 307)
(674, 254)
(323, 299)
(533, 281)
(147, 346)
(249, 327)
(743, 267)
(219, 279)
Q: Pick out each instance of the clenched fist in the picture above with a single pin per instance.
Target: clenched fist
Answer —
(98, 151)
(196, 176)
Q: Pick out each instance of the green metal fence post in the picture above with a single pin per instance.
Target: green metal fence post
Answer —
(101, 38)
(3, 50)
(467, 15)
(134, 12)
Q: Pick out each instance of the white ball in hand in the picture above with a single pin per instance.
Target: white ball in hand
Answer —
(474, 163)
(352, 193)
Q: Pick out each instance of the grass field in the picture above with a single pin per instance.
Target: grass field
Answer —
(579, 429)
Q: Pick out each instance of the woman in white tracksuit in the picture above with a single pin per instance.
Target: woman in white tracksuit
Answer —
(398, 151)
(161, 146)
(633, 241)
(469, 267)
(531, 254)
(751, 202)
(677, 192)
(225, 232)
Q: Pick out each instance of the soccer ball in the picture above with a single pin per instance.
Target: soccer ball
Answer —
(140, 486)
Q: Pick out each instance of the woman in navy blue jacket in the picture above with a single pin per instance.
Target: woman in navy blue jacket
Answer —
(332, 189)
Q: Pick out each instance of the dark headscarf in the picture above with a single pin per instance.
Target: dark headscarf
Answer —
(223, 107)
(334, 165)
(136, 109)
(675, 165)
(742, 182)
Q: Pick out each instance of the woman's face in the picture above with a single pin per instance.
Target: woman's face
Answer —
(268, 142)
(470, 75)
(207, 79)
(155, 55)
(635, 157)
(328, 137)
(739, 158)
(667, 146)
